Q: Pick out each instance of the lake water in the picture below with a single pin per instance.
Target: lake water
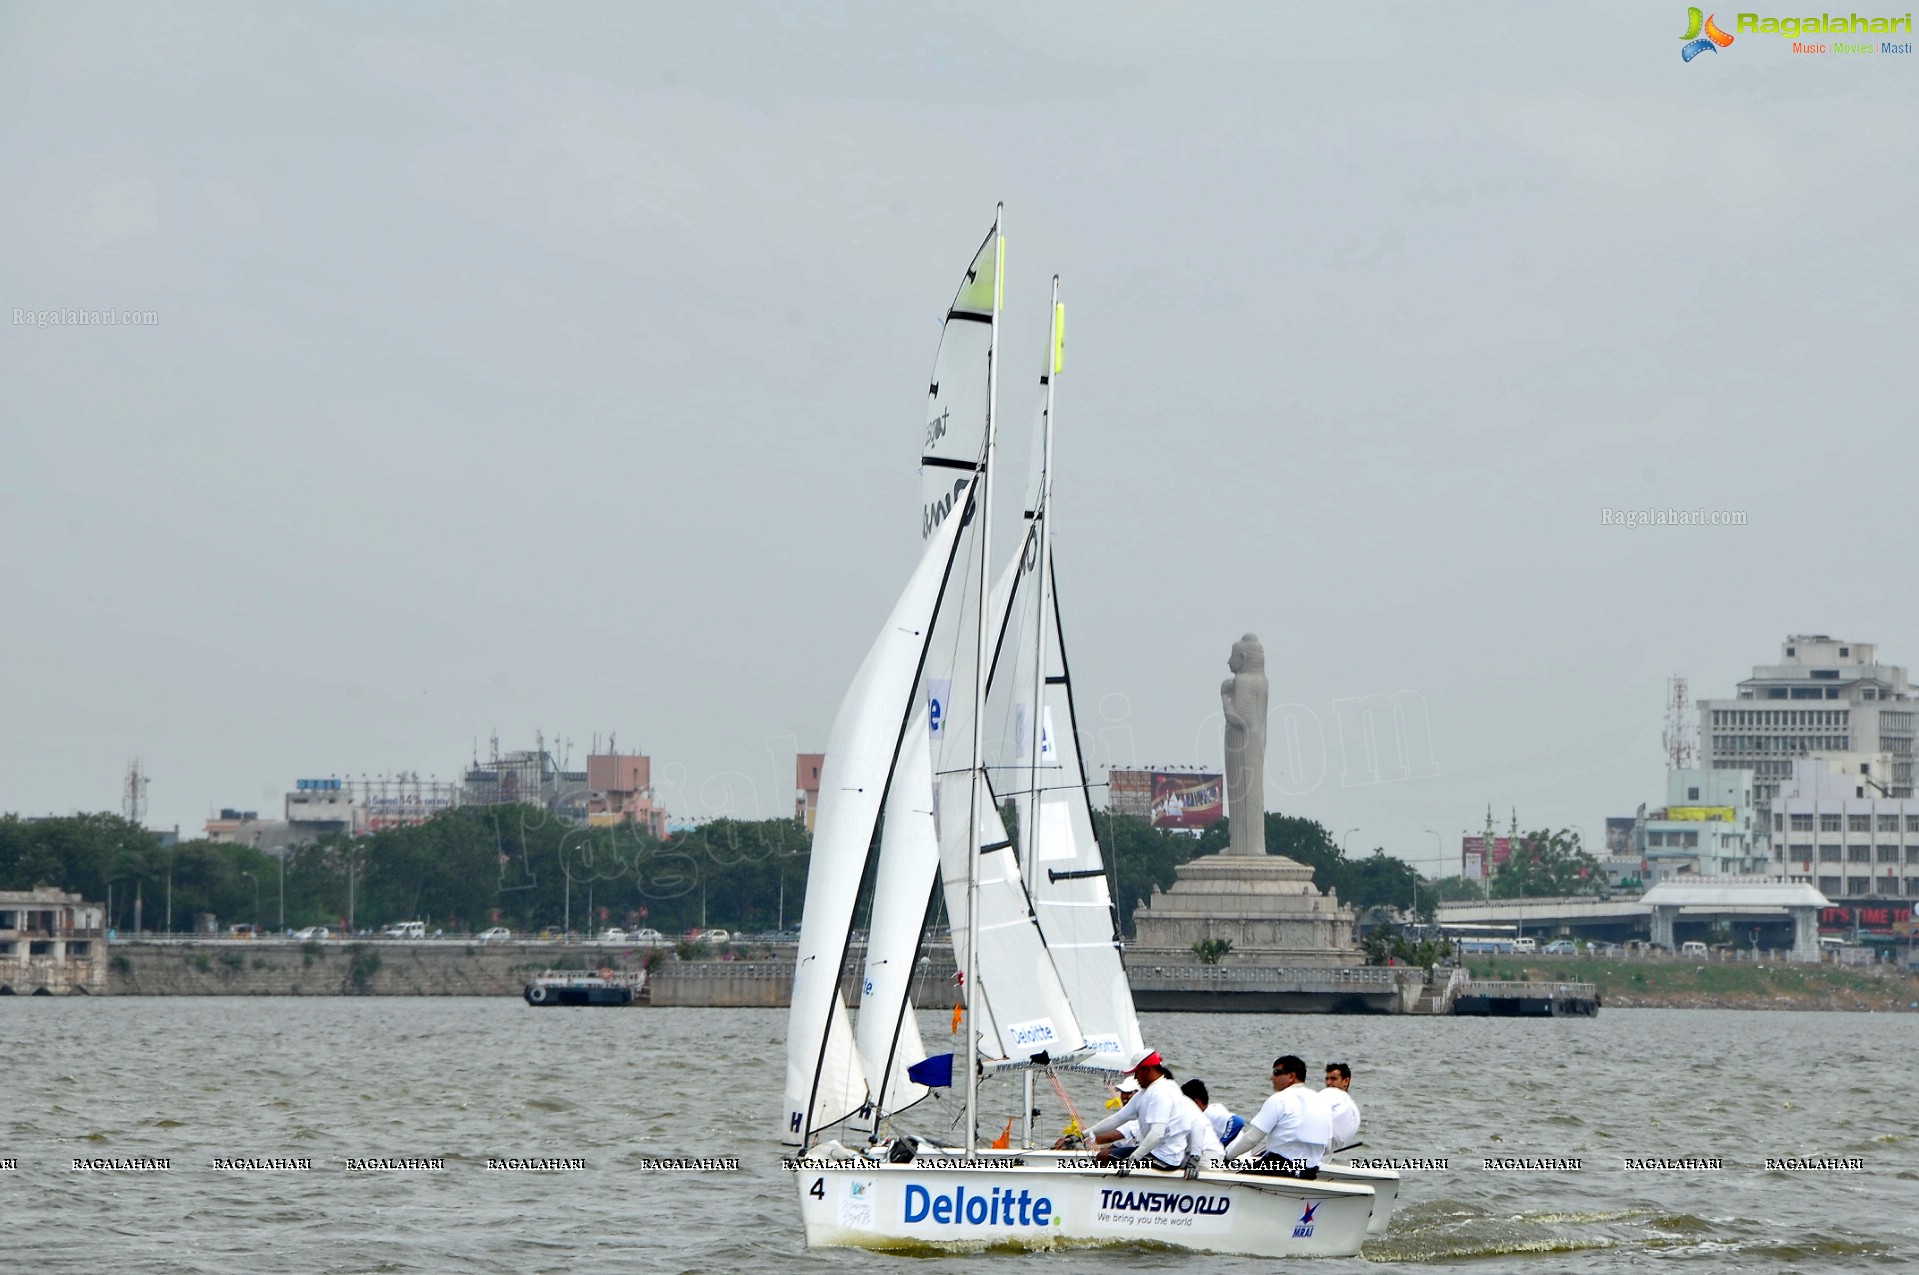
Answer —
(327, 1079)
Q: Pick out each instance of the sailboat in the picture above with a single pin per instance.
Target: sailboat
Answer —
(1034, 933)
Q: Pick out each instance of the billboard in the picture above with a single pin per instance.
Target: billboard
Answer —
(1130, 792)
(1619, 843)
(1482, 860)
(1874, 918)
(1186, 800)
(1700, 814)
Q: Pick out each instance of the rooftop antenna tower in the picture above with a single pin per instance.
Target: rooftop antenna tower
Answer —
(133, 797)
(1678, 738)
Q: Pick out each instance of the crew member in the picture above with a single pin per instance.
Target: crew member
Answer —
(1165, 1131)
(1340, 1107)
(1225, 1124)
(1292, 1125)
(1126, 1137)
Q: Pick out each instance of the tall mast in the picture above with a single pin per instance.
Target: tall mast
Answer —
(973, 822)
(1036, 736)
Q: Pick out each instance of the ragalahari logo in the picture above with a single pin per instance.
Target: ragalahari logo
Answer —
(1711, 41)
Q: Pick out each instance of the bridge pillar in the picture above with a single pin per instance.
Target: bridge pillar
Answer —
(1662, 921)
(1805, 934)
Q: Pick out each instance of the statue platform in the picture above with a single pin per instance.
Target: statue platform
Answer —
(1266, 905)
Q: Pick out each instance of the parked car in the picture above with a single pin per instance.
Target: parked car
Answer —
(715, 937)
(1525, 945)
(1693, 948)
(498, 934)
(405, 930)
(1560, 947)
(651, 938)
(613, 935)
(312, 932)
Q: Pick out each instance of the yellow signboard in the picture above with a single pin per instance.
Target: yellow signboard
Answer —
(1700, 814)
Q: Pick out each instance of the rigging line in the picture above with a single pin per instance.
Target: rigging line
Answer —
(1086, 795)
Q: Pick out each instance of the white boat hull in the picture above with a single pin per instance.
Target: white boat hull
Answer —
(1385, 1185)
(1384, 1182)
(910, 1207)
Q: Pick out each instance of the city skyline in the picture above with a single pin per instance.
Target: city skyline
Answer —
(508, 378)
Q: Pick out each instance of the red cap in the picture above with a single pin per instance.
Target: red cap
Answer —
(1151, 1060)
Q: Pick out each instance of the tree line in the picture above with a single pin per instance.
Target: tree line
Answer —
(520, 867)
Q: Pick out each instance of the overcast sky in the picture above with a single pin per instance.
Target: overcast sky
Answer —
(560, 368)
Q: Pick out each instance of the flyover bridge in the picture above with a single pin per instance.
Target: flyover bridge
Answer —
(1735, 902)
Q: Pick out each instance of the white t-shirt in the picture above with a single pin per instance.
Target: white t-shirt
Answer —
(1296, 1125)
(1159, 1103)
(1343, 1112)
(1219, 1117)
(1201, 1138)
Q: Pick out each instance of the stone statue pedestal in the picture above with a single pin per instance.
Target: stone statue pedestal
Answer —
(1266, 905)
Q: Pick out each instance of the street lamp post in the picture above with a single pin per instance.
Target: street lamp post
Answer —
(284, 852)
(256, 898)
(1343, 837)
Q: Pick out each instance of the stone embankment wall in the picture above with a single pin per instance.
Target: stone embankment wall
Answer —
(433, 968)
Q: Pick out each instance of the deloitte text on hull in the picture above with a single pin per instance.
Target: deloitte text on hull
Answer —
(1000, 1208)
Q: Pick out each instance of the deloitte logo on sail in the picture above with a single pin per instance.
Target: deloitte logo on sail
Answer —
(1001, 1208)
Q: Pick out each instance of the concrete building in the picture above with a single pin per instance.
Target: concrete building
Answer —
(51, 943)
(321, 807)
(317, 807)
(1705, 829)
(1827, 696)
(621, 792)
(1833, 829)
(806, 787)
(245, 828)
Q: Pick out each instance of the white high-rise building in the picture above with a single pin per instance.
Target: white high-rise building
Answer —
(1832, 830)
(1827, 698)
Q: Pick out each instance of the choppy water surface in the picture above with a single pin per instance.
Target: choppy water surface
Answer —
(192, 1079)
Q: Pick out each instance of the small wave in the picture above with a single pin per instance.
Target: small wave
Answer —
(1392, 1251)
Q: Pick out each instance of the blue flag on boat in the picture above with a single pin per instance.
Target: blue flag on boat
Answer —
(935, 1073)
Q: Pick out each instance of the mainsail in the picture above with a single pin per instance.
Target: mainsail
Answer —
(959, 395)
(1043, 770)
(1065, 869)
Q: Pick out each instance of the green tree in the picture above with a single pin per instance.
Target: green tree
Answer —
(1548, 864)
(1140, 857)
(1454, 889)
(1212, 951)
